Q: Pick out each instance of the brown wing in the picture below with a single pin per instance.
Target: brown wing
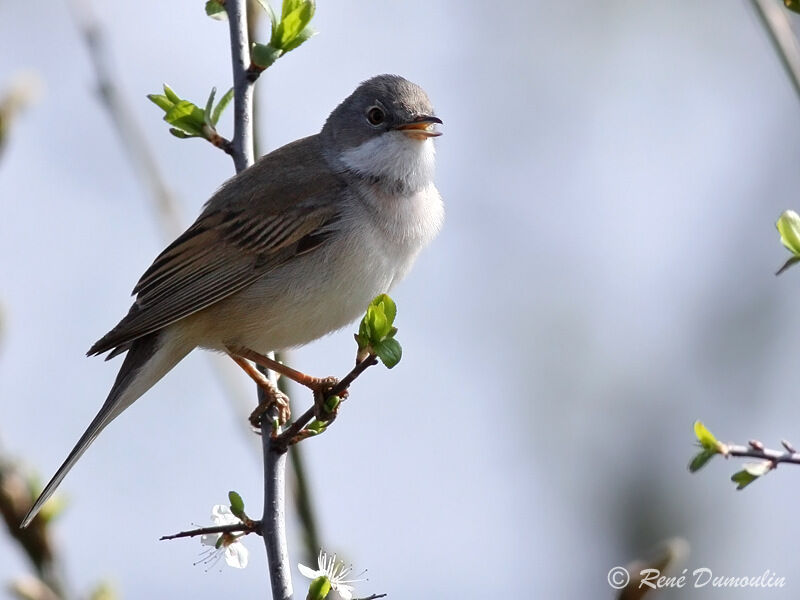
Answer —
(246, 230)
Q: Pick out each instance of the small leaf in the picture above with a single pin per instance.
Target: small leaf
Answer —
(331, 403)
(389, 307)
(237, 504)
(209, 104)
(181, 134)
(223, 102)
(216, 10)
(291, 25)
(742, 479)
(289, 6)
(317, 426)
(389, 351)
(705, 437)
(299, 39)
(377, 322)
(185, 116)
(264, 54)
(788, 225)
(700, 460)
(319, 588)
(171, 95)
(161, 101)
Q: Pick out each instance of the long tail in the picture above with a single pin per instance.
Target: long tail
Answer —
(148, 360)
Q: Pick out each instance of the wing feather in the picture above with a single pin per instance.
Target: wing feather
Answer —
(251, 225)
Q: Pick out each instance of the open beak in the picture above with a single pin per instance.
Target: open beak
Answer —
(421, 128)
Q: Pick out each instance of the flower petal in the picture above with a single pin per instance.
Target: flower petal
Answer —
(308, 571)
(345, 591)
(209, 539)
(222, 515)
(236, 555)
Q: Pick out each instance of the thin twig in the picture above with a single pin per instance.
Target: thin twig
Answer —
(775, 20)
(289, 436)
(757, 450)
(249, 527)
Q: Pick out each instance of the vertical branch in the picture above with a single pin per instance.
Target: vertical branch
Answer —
(242, 87)
(273, 522)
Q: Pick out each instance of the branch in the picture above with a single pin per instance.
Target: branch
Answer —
(273, 522)
(244, 527)
(779, 28)
(710, 446)
(242, 150)
(756, 449)
(295, 432)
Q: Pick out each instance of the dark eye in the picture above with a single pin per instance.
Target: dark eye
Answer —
(375, 116)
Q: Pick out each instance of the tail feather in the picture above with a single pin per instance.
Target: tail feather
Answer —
(147, 361)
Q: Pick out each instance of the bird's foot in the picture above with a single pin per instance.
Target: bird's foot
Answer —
(272, 397)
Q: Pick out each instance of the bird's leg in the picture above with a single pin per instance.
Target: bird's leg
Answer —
(320, 386)
(274, 397)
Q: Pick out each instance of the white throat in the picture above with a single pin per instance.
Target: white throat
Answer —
(395, 158)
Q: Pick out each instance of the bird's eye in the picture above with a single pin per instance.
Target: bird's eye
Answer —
(375, 116)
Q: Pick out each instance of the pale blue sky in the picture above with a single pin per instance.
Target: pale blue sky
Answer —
(612, 172)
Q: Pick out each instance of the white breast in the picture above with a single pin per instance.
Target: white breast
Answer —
(381, 233)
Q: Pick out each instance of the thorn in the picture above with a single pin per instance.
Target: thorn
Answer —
(789, 448)
(756, 445)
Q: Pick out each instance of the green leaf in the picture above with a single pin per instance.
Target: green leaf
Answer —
(331, 403)
(793, 5)
(181, 134)
(378, 323)
(186, 116)
(209, 104)
(705, 437)
(289, 6)
(265, 54)
(700, 460)
(319, 588)
(161, 101)
(291, 25)
(173, 97)
(223, 102)
(317, 426)
(742, 479)
(389, 351)
(388, 307)
(300, 38)
(788, 225)
(216, 10)
(237, 504)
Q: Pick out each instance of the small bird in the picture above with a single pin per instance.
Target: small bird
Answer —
(285, 252)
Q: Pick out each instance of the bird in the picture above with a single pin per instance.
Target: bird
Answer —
(286, 251)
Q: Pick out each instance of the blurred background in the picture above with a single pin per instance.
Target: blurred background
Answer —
(612, 173)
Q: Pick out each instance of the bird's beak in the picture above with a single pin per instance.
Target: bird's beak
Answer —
(421, 128)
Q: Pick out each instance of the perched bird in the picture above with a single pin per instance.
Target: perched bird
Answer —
(288, 250)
